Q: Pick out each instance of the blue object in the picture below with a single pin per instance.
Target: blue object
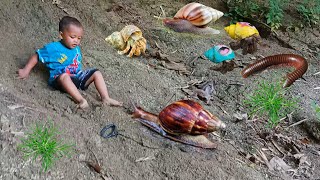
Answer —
(60, 59)
(219, 53)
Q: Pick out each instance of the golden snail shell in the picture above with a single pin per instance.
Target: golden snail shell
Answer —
(198, 14)
(128, 39)
(130, 31)
(116, 40)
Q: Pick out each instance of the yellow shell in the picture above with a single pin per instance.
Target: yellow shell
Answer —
(241, 30)
(128, 39)
(198, 14)
(116, 40)
(130, 31)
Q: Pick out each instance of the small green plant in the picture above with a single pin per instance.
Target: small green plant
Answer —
(275, 13)
(310, 12)
(270, 12)
(270, 100)
(239, 9)
(316, 108)
(43, 142)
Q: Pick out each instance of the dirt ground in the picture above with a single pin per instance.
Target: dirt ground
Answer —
(139, 153)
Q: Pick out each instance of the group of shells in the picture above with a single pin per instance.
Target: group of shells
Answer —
(186, 121)
(130, 38)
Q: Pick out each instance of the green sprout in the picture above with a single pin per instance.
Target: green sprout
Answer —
(309, 10)
(275, 13)
(43, 142)
(270, 100)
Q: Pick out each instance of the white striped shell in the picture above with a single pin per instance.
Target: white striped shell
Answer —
(198, 14)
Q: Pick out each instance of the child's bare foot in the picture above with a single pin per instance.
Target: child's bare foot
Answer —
(111, 102)
(83, 104)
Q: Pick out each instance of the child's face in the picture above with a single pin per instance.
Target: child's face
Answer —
(71, 36)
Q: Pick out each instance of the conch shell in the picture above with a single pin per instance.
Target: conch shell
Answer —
(193, 18)
(198, 14)
(241, 30)
(130, 37)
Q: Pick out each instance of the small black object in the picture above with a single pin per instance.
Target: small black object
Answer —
(109, 131)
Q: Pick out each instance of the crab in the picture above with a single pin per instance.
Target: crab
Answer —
(248, 44)
(247, 37)
(128, 39)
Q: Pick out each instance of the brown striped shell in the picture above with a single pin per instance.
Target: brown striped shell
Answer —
(198, 14)
(188, 117)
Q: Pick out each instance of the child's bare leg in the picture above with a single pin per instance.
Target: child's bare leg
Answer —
(65, 81)
(98, 80)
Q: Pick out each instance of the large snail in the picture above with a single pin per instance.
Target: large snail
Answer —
(194, 18)
(184, 121)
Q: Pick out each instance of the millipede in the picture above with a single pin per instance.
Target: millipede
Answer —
(298, 62)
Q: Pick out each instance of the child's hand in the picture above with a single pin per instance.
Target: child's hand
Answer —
(23, 73)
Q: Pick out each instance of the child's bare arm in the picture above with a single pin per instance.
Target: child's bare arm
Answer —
(24, 73)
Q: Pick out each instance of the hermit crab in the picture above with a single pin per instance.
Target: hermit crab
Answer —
(184, 121)
(194, 18)
(247, 37)
(128, 39)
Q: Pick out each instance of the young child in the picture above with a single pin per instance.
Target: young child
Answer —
(63, 59)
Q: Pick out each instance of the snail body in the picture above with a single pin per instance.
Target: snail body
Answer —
(193, 18)
(185, 121)
(296, 61)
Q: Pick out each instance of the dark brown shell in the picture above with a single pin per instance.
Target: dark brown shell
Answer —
(188, 117)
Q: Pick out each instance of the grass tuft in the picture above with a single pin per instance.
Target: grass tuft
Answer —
(270, 100)
(43, 142)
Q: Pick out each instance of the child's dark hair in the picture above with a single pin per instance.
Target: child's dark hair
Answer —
(66, 21)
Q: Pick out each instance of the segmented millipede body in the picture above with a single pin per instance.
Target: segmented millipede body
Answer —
(296, 61)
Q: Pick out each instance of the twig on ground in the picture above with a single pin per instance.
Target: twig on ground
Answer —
(316, 73)
(170, 98)
(264, 158)
(145, 158)
(138, 142)
(163, 12)
(22, 121)
(181, 87)
(277, 147)
(97, 161)
(24, 106)
(236, 84)
(297, 123)
(224, 111)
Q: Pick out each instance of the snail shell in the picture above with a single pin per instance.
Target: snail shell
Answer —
(116, 40)
(188, 117)
(130, 31)
(198, 14)
(119, 39)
